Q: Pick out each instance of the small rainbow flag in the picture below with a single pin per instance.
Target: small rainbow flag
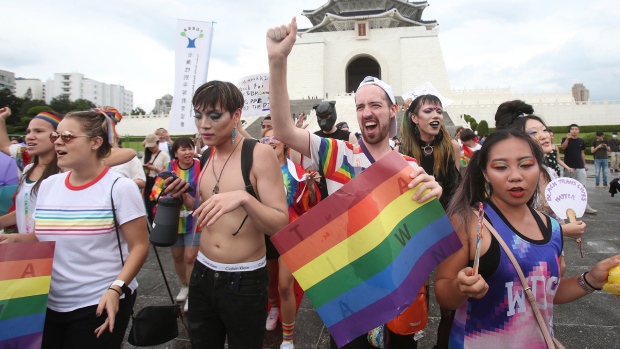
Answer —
(25, 275)
(363, 253)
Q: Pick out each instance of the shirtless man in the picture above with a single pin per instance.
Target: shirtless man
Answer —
(376, 115)
(227, 288)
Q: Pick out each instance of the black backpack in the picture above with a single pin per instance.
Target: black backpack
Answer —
(247, 151)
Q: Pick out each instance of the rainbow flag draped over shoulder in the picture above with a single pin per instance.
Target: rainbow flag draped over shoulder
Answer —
(363, 254)
(25, 275)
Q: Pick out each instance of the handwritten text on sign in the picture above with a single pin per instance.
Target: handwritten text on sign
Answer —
(255, 90)
(582, 196)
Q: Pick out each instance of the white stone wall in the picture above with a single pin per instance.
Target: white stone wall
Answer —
(422, 61)
(306, 64)
(554, 113)
(142, 125)
(407, 56)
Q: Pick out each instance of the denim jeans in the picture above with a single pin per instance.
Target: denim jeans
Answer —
(600, 165)
(225, 304)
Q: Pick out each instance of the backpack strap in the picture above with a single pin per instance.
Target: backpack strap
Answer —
(204, 157)
(247, 158)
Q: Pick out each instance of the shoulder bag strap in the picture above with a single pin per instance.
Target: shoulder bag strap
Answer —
(527, 289)
(118, 239)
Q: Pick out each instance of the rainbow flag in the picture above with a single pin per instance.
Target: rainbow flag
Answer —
(25, 275)
(363, 253)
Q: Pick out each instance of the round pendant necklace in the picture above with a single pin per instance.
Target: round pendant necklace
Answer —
(216, 189)
(428, 149)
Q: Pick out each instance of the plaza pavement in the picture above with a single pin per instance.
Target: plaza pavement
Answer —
(592, 322)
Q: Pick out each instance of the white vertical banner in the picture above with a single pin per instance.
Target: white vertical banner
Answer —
(255, 90)
(192, 52)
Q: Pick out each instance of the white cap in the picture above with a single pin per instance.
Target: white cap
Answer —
(371, 80)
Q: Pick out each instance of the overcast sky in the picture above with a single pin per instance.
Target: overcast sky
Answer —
(527, 45)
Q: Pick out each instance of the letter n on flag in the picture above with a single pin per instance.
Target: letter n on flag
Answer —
(25, 274)
(363, 254)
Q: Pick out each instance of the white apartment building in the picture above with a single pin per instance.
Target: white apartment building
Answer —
(7, 80)
(163, 105)
(76, 86)
(30, 88)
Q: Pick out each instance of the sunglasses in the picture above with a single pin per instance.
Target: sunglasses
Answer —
(267, 140)
(66, 136)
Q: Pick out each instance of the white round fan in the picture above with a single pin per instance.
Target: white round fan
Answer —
(567, 198)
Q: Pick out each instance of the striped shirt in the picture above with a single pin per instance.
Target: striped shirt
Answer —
(80, 221)
(189, 175)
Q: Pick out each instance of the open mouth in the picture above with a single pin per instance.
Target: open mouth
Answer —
(517, 192)
(435, 124)
(371, 126)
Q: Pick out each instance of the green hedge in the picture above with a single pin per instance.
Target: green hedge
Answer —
(563, 130)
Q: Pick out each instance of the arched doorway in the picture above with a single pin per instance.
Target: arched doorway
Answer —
(358, 69)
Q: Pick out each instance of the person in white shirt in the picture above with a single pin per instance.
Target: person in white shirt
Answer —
(92, 289)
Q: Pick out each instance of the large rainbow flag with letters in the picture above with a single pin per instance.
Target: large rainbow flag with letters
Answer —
(363, 254)
(25, 275)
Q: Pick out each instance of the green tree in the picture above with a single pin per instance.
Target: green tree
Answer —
(138, 111)
(483, 128)
(82, 104)
(61, 104)
(7, 98)
(28, 94)
(36, 110)
(473, 124)
(32, 103)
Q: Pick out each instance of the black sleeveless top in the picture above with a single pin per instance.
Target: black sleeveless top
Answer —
(448, 181)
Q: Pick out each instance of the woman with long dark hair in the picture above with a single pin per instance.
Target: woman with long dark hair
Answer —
(519, 116)
(425, 138)
(504, 176)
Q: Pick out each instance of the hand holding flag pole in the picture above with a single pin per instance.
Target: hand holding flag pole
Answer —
(478, 237)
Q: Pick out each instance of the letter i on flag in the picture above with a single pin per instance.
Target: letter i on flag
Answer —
(363, 253)
(25, 274)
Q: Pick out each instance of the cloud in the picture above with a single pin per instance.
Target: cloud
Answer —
(528, 45)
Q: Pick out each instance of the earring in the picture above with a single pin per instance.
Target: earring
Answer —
(234, 134)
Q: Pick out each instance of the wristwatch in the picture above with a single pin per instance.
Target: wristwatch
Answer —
(121, 284)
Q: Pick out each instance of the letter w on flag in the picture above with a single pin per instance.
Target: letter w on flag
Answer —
(363, 253)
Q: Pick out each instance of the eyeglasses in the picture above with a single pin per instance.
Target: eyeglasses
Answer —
(66, 136)
(267, 140)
